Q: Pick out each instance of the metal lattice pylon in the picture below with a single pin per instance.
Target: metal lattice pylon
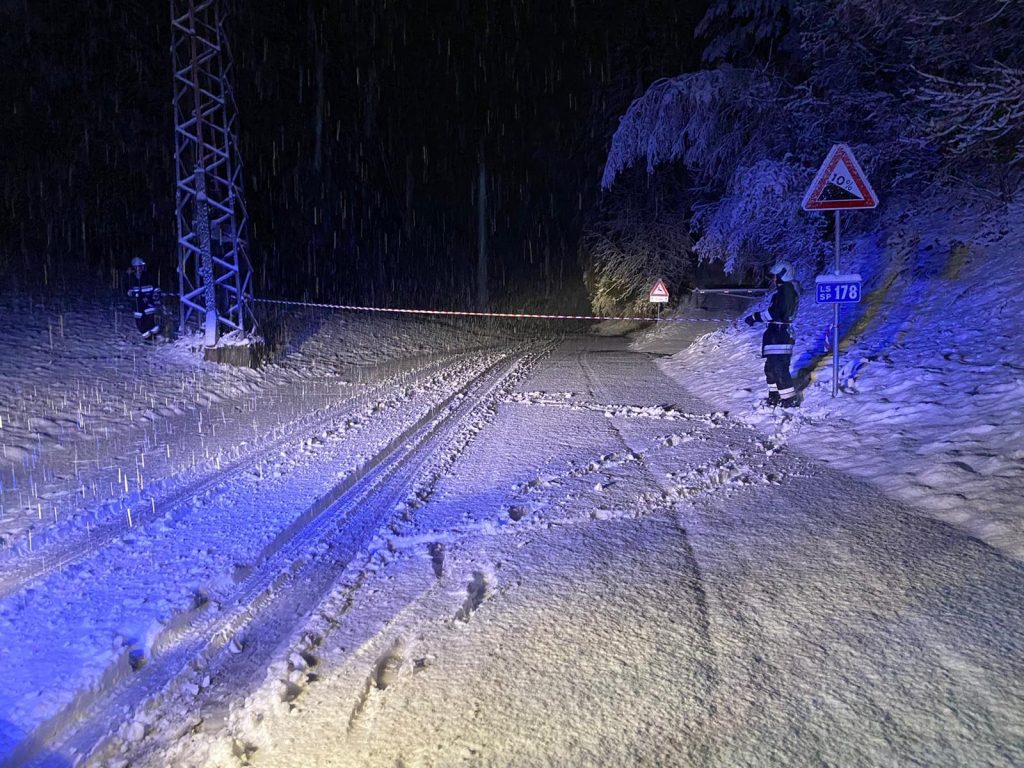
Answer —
(215, 276)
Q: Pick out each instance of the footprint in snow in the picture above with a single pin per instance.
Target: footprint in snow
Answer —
(388, 666)
(476, 593)
(516, 513)
(385, 672)
(436, 552)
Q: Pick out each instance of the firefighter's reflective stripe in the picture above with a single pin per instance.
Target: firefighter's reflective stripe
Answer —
(778, 342)
(147, 307)
(778, 336)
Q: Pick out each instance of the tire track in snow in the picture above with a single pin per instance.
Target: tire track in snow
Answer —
(400, 656)
(430, 545)
(692, 576)
(282, 590)
(21, 571)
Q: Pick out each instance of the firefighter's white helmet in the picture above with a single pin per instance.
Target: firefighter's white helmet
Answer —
(138, 262)
(784, 271)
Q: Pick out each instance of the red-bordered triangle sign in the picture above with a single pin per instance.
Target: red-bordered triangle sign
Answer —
(840, 184)
(659, 292)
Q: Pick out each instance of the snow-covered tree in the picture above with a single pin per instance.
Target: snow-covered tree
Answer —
(757, 221)
(982, 117)
(709, 120)
(946, 77)
(930, 97)
(641, 234)
(747, 32)
(721, 126)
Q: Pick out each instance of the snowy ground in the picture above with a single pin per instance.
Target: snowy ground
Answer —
(421, 543)
(89, 414)
(931, 407)
(603, 578)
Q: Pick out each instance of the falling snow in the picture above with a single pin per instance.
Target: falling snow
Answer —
(430, 540)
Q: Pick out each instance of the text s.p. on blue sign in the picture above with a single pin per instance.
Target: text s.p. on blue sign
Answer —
(837, 289)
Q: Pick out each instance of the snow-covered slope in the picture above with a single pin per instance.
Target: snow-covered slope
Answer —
(931, 407)
(91, 415)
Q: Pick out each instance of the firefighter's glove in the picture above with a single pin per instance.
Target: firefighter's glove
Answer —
(749, 320)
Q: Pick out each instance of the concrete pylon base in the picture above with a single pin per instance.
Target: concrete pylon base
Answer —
(240, 356)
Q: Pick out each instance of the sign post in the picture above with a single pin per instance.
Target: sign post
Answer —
(840, 184)
(659, 296)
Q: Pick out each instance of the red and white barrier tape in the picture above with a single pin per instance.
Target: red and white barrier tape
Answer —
(514, 315)
(746, 293)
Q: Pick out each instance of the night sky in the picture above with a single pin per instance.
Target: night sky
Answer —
(363, 124)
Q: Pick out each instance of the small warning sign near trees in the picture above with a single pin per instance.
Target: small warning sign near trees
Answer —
(659, 293)
(840, 184)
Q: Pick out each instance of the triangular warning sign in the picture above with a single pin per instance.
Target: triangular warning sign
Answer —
(840, 184)
(659, 292)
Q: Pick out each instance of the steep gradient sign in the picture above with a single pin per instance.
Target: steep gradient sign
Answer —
(840, 184)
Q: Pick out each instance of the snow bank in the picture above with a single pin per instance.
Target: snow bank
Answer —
(931, 407)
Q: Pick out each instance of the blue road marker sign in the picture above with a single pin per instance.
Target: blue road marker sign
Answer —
(837, 289)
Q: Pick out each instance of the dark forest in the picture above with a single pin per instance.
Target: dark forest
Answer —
(363, 126)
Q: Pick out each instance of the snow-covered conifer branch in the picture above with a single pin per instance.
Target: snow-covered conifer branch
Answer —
(733, 29)
(757, 222)
(979, 115)
(705, 119)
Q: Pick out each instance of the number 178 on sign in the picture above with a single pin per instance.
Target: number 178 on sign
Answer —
(837, 289)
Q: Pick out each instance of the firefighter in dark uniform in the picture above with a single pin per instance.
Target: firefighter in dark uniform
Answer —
(147, 302)
(778, 341)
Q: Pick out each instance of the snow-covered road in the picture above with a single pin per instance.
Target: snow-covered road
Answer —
(129, 600)
(598, 569)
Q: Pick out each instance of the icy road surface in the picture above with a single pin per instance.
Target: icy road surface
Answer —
(594, 568)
